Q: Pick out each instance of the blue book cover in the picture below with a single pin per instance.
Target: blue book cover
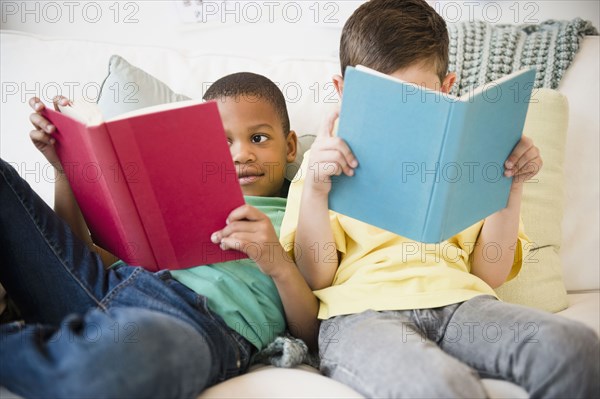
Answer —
(430, 164)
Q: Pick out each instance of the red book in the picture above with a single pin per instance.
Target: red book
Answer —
(152, 185)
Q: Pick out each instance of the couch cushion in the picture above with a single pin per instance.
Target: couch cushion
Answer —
(128, 88)
(583, 307)
(540, 283)
(305, 382)
(272, 382)
(580, 254)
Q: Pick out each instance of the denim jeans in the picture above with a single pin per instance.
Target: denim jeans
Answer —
(91, 332)
(443, 352)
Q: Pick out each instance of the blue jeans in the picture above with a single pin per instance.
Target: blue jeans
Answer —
(91, 332)
(443, 352)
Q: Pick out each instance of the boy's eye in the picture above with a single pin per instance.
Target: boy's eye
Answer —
(259, 138)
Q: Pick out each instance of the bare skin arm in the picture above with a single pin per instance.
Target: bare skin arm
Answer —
(500, 230)
(329, 156)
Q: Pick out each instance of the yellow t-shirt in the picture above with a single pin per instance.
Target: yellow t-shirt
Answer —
(384, 271)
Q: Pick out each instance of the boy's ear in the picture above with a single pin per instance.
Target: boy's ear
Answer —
(338, 82)
(292, 146)
(448, 82)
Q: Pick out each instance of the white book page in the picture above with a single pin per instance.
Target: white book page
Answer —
(465, 97)
(157, 108)
(472, 93)
(90, 114)
(83, 111)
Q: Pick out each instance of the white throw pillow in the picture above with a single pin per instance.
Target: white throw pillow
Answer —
(127, 88)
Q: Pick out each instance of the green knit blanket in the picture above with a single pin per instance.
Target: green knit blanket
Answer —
(481, 52)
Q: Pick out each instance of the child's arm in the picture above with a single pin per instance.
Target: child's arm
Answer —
(251, 231)
(500, 230)
(319, 259)
(65, 205)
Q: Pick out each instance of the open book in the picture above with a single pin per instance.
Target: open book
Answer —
(154, 184)
(430, 164)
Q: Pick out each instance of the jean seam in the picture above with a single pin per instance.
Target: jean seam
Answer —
(243, 354)
(349, 372)
(495, 376)
(225, 329)
(48, 243)
(119, 287)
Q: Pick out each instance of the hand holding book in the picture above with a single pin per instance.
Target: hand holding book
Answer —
(524, 162)
(329, 156)
(41, 136)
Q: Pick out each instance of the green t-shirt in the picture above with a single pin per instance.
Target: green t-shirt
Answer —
(238, 291)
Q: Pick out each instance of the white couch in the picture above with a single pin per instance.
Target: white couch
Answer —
(32, 65)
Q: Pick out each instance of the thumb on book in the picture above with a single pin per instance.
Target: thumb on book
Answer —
(60, 101)
(327, 127)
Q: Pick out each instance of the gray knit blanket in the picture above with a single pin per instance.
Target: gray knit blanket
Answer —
(481, 52)
(287, 351)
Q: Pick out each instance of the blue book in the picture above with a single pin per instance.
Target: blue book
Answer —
(430, 164)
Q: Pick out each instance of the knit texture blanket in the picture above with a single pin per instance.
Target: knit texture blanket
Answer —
(481, 52)
(287, 351)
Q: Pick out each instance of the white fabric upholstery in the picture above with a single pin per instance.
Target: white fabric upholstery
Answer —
(580, 252)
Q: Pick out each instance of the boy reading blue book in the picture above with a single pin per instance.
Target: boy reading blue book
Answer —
(404, 319)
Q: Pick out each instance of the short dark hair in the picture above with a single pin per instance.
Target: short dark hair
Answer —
(387, 35)
(253, 86)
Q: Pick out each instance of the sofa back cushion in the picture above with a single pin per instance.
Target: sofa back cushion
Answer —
(539, 283)
(581, 232)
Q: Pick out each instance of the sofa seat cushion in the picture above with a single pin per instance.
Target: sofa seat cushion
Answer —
(306, 382)
(583, 307)
(272, 382)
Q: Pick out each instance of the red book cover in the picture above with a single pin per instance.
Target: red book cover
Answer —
(153, 187)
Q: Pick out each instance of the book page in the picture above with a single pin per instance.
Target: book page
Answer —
(472, 93)
(157, 108)
(91, 115)
(447, 96)
(83, 111)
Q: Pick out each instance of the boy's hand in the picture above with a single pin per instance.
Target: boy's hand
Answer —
(523, 163)
(329, 156)
(251, 231)
(42, 135)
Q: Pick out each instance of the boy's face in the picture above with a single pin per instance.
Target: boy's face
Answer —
(259, 147)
